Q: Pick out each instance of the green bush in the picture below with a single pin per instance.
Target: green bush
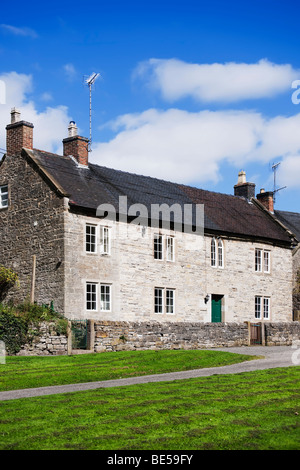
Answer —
(13, 331)
(20, 325)
(8, 278)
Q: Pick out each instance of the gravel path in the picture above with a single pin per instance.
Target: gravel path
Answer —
(274, 356)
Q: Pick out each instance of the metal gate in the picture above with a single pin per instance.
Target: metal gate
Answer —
(255, 333)
(79, 334)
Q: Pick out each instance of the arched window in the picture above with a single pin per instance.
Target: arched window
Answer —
(213, 250)
(217, 253)
(220, 253)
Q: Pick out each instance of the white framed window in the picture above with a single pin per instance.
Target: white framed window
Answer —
(262, 307)
(105, 297)
(262, 260)
(164, 300)
(158, 246)
(158, 300)
(220, 253)
(3, 196)
(170, 251)
(217, 253)
(170, 301)
(213, 260)
(267, 255)
(105, 240)
(90, 238)
(91, 296)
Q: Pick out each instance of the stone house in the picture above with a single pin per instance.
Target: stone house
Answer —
(110, 245)
(291, 220)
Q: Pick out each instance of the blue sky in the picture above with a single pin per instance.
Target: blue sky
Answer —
(190, 91)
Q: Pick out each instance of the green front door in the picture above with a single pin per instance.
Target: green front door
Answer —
(216, 308)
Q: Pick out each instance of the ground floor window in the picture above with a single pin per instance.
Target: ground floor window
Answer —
(91, 296)
(92, 292)
(105, 297)
(262, 308)
(164, 300)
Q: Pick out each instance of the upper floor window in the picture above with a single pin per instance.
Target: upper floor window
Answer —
(170, 249)
(164, 245)
(3, 196)
(217, 253)
(262, 260)
(90, 239)
(105, 239)
(158, 247)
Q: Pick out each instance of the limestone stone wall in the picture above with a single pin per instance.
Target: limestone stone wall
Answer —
(282, 334)
(120, 336)
(133, 274)
(32, 224)
(48, 343)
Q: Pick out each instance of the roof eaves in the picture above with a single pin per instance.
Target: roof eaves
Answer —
(28, 153)
(290, 234)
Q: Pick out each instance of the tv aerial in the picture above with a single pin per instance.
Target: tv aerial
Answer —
(274, 168)
(90, 82)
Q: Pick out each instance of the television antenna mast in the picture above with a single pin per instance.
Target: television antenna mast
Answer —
(90, 81)
(274, 168)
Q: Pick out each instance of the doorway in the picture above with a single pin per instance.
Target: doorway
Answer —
(216, 308)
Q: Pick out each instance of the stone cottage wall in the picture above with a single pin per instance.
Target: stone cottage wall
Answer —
(32, 224)
(133, 273)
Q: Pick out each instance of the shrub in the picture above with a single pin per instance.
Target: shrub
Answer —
(8, 278)
(20, 325)
(13, 331)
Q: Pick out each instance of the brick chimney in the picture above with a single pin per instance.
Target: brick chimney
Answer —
(243, 188)
(266, 199)
(19, 134)
(76, 146)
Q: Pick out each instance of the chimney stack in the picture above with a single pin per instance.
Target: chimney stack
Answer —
(19, 134)
(244, 189)
(266, 199)
(76, 145)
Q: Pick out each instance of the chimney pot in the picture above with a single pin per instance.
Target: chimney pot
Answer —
(75, 145)
(72, 129)
(15, 115)
(19, 134)
(242, 177)
(244, 189)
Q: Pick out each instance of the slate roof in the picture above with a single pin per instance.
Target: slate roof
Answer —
(291, 220)
(87, 188)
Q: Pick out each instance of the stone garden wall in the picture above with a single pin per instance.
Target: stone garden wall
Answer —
(129, 336)
(47, 343)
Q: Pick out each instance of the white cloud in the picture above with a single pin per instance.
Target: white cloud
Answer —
(50, 126)
(70, 71)
(228, 82)
(289, 172)
(19, 31)
(190, 147)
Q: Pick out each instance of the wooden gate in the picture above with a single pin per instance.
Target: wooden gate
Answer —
(255, 333)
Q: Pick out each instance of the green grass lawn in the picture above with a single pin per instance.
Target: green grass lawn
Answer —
(30, 372)
(253, 410)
